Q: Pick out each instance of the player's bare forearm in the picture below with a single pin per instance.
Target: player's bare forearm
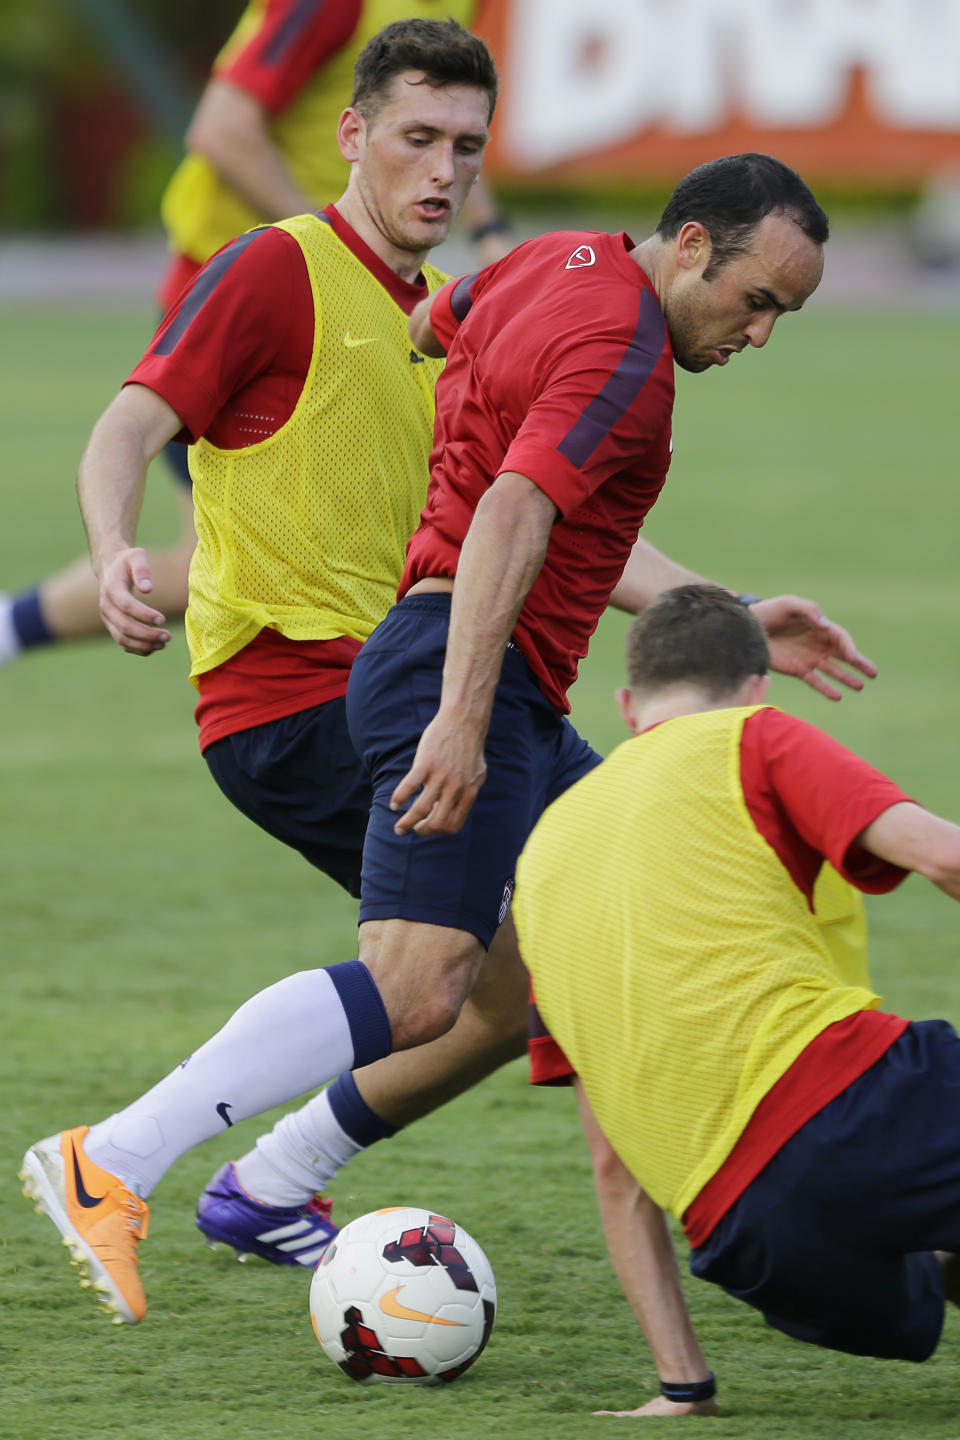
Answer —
(229, 129)
(914, 838)
(110, 481)
(642, 1253)
(647, 573)
(500, 559)
(422, 332)
(803, 642)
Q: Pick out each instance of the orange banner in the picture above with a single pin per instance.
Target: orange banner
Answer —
(855, 92)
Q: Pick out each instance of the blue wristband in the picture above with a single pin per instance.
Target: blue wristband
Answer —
(746, 599)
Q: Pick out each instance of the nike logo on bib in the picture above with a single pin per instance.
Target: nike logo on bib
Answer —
(349, 341)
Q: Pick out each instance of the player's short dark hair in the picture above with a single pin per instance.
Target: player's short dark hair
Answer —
(446, 53)
(730, 197)
(699, 635)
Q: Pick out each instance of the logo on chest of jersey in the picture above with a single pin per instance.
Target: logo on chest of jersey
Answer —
(583, 256)
(352, 344)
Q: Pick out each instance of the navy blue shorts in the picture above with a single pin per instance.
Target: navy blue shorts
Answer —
(832, 1241)
(299, 779)
(176, 457)
(464, 881)
(175, 453)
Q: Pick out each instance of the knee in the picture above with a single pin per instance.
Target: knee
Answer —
(418, 1011)
(432, 1017)
(423, 985)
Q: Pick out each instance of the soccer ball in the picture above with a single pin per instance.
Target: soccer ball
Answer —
(403, 1296)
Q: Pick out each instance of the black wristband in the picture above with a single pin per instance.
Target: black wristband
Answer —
(746, 599)
(499, 225)
(689, 1391)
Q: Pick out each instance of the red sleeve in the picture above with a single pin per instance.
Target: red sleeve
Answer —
(295, 38)
(568, 446)
(548, 1064)
(245, 308)
(810, 798)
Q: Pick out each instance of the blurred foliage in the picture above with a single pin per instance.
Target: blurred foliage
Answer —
(56, 79)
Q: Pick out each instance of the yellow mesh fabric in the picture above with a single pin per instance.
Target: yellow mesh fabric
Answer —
(201, 213)
(305, 531)
(672, 956)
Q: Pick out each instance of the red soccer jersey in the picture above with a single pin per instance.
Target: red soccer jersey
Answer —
(809, 797)
(559, 368)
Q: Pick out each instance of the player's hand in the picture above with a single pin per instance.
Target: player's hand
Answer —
(804, 643)
(135, 626)
(662, 1407)
(448, 770)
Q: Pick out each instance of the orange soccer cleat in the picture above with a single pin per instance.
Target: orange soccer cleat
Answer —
(101, 1221)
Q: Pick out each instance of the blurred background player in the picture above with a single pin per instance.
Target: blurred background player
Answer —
(690, 919)
(261, 147)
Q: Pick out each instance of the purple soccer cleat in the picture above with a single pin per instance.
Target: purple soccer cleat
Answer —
(226, 1214)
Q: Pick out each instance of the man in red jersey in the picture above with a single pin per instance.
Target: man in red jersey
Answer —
(262, 145)
(552, 442)
(691, 918)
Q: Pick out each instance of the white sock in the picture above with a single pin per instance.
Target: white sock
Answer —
(10, 646)
(287, 1040)
(298, 1157)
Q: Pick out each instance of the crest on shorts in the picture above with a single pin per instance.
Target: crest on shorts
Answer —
(505, 901)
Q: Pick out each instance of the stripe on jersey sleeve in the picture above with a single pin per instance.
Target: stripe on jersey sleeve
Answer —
(605, 410)
(460, 301)
(203, 287)
(301, 14)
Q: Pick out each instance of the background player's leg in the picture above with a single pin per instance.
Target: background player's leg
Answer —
(66, 605)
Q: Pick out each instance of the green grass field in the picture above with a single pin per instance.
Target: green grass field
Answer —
(138, 910)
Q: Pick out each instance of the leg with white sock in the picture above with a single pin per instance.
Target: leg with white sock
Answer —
(287, 1040)
(305, 1150)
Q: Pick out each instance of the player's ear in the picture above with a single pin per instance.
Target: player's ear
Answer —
(351, 130)
(693, 246)
(754, 690)
(627, 705)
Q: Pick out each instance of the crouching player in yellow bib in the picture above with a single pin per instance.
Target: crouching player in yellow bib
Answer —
(690, 917)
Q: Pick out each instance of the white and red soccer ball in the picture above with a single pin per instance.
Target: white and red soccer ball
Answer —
(403, 1296)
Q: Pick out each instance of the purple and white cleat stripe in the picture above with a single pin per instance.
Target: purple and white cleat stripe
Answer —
(227, 1215)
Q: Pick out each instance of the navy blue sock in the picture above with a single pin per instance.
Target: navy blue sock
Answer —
(28, 622)
(353, 1114)
(366, 1014)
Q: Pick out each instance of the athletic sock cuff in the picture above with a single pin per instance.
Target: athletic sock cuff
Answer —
(354, 1116)
(28, 621)
(370, 1032)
